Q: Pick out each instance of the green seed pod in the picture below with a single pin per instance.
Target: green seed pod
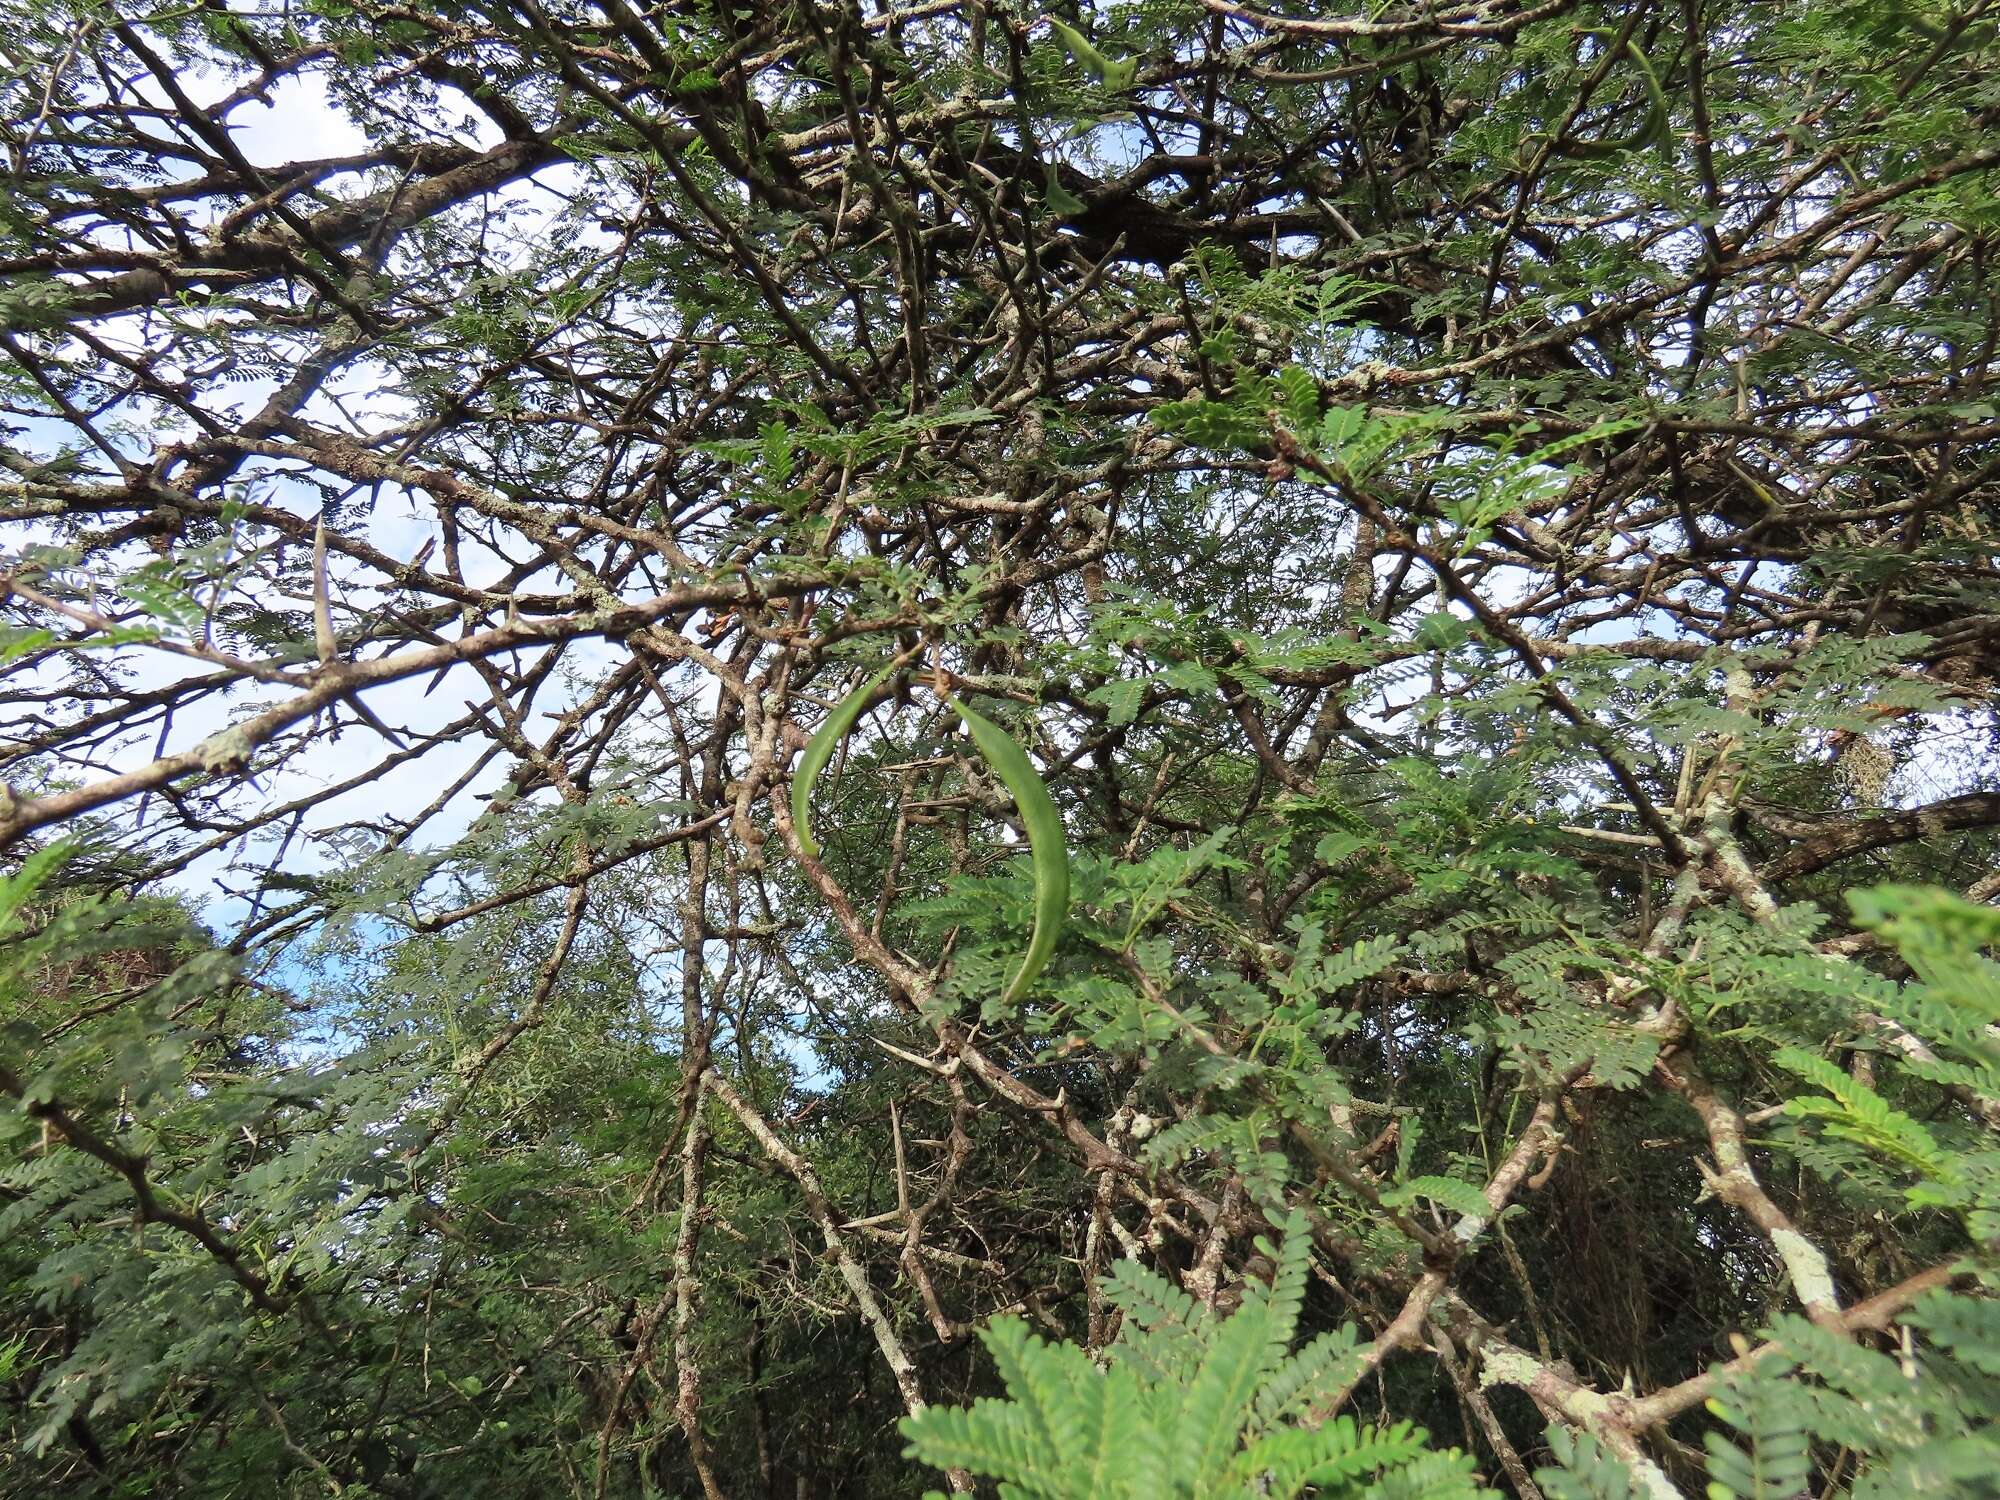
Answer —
(1651, 131)
(1045, 842)
(819, 750)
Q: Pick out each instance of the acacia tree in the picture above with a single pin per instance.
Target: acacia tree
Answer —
(1481, 519)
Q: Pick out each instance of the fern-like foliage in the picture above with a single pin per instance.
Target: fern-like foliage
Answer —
(1188, 1405)
(1770, 1455)
(1588, 1470)
(1917, 1421)
(1939, 1029)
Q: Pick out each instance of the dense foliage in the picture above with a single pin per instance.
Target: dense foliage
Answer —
(1457, 957)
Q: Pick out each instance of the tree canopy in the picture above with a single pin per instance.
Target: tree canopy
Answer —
(1169, 749)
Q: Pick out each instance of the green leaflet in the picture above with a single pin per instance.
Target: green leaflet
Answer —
(819, 750)
(1045, 841)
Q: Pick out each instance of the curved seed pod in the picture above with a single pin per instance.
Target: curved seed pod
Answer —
(1045, 842)
(323, 639)
(1115, 73)
(1651, 131)
(819, 750)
